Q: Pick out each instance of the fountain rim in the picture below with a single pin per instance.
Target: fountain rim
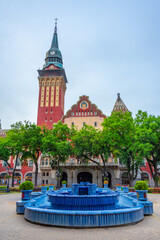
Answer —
(93, 212)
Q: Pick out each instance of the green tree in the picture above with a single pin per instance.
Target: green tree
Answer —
(5, 151)
(89, 143)
(11, 145)
(120, 130)
(148, 139)
(32, 136)
(56, 146)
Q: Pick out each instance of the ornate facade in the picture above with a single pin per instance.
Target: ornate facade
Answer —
(52, 86)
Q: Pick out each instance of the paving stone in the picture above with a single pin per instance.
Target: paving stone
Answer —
(14, 226)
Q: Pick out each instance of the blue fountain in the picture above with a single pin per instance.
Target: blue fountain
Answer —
(85, 205)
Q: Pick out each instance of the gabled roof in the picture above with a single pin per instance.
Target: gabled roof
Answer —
(85, 106)
(119, 105)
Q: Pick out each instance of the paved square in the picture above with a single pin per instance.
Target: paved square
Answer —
(14, 226)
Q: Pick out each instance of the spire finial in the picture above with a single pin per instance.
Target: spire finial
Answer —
(55, 29)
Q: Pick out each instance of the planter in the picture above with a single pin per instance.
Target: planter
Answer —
(125, 189)
(51, 187)
(142, 195)
(43, 189)
(26, 195)
(118, 188)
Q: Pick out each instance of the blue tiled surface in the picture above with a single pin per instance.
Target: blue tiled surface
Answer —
(148, 207)
(20, 206)
(101, 208)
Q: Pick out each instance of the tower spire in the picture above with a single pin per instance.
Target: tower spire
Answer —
(55, 36)
(119, 105)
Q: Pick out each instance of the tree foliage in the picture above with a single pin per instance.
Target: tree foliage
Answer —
(56, 145)
(120, 129)
(148, 140)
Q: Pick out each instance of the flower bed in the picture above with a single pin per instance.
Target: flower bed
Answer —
(154, 190)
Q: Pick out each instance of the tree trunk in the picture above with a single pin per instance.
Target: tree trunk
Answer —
(156, 174)
(104, 167)
(36, 172)
(58, 175)
(14, 170)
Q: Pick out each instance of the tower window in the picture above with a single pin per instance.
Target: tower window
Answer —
(95, 124)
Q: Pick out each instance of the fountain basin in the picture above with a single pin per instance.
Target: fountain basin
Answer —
(37, 211)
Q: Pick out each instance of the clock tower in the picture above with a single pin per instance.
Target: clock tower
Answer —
(52, 86)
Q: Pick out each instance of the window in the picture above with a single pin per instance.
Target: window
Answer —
(46, 110)
(82, 112)
(51, 110)
(79, 113)
(46, 181)
(30, 163)
(51, 119)
(42, 161)
(47, 174)
(95, 113)
(83, 123)
(46, 161)
(45, 119)
(4, 164)
(88, 112)
(95, 124)
(43, 182)
(72, 114)
(72, 123)
(76, 113)
(91, 112)
(43, 173)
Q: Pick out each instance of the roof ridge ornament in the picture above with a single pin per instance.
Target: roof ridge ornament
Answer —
(55, 28)
(118, 94)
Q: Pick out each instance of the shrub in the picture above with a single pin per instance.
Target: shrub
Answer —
(27, 185)
(154, 190)
(64, 182)
(141, 185)
(14, 189)
(3, 187)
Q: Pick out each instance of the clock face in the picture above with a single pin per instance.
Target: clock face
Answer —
(52, 52)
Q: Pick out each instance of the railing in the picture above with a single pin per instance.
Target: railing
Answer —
(75, 162)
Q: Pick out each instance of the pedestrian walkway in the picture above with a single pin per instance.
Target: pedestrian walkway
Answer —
(13, 226)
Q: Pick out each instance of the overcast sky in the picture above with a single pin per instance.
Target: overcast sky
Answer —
(108, 47)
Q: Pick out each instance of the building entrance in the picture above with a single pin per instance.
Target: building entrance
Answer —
(84, 177)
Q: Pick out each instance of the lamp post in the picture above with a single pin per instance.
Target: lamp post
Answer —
(8, 176)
